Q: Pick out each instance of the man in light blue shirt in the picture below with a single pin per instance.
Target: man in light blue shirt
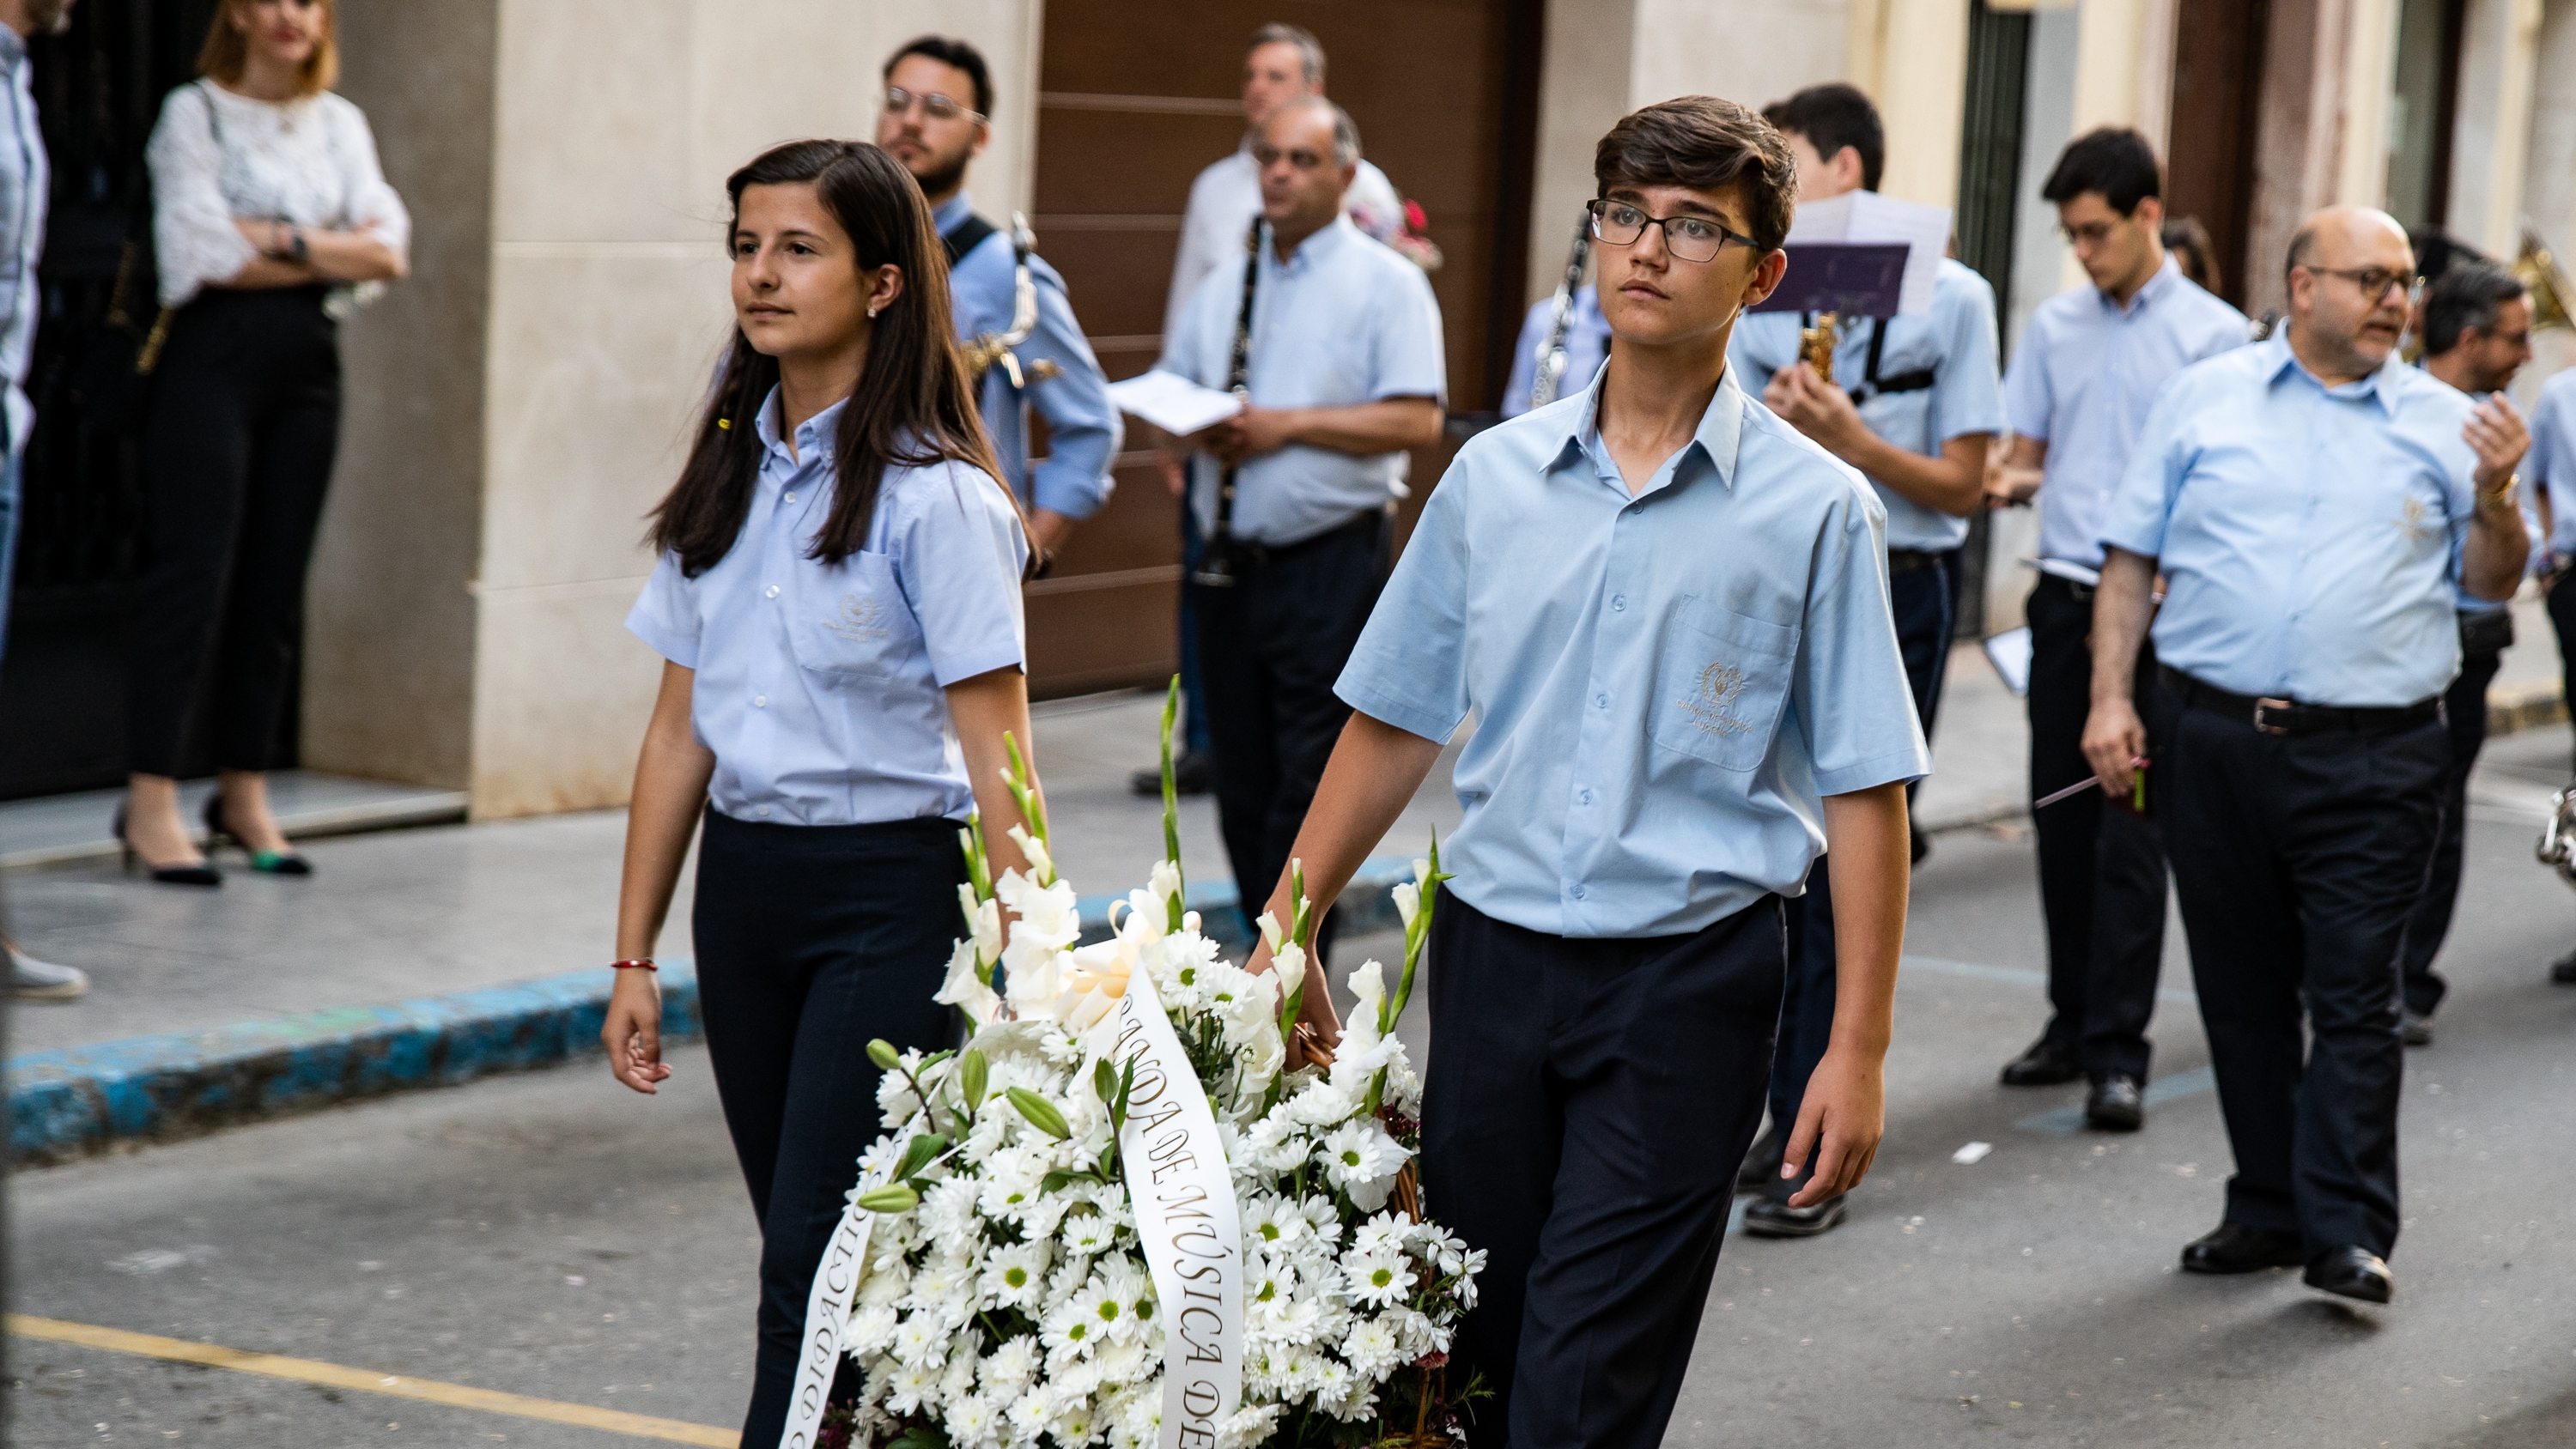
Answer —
(2550, 474)
(926, 126)
(1668, 613)
(2312, 503)
(2078, 390)
(2476, 330)
(1586, 342)
(1342, 371)
(1913, 406)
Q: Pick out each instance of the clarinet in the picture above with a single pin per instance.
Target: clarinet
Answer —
(1551, 354)
(1217, 568)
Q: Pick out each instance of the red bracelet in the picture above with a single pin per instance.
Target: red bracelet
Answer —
(644, 961)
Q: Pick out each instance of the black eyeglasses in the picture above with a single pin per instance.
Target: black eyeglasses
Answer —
(1691, 238)
(934, 105)
(2375, 282)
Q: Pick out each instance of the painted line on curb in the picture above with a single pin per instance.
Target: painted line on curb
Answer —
(397, 1386)
(68, 1102)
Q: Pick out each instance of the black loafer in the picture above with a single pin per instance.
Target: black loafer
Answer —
(2046, 1064)
(2116, 1105)
(2415, 1029)
(1762, 1165)
(2351, 1272)
(1770, 1216)
(2236, 1248)
(2562, 972)
(1193, 773)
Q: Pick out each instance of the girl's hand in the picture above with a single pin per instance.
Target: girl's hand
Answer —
(633, 1031)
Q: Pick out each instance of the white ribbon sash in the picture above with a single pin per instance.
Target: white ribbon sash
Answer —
(1186, 1216)
(827, 1310)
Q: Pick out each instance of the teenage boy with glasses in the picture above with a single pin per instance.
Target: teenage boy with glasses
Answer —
(1667, 610)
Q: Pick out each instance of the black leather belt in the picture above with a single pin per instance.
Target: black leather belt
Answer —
(1907, 560)
(2288, 717)
(1261, 555)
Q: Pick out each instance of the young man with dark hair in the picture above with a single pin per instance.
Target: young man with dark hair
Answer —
(926, 125)
(1668, 612)
(2078, 391)
(2477, 335)
(1912, 405)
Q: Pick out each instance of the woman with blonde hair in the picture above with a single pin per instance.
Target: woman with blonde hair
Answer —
(271, 216)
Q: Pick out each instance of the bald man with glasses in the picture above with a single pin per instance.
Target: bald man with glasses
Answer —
(2316, 507)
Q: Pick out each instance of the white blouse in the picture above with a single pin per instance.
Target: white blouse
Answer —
(216, 156)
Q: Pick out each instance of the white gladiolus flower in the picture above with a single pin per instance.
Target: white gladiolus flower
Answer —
(1163, 882)
(1408, 902)
(1289, 962)
(1271, 935)
(1035, 849)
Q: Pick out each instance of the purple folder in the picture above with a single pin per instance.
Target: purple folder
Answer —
(1856, 279)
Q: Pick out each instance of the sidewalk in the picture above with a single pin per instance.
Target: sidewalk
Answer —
(426, 956)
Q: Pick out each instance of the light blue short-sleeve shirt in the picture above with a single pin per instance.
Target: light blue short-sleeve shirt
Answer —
(1665, 685)
(820, 687)
(2309, 536)
(1587, 343)
(1955, 343)
(2551, 463)
(2082, 380)
(1083, 426)
(1345, 320)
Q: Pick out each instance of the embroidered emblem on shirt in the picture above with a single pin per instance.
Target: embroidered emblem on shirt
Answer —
(2413, 522)
(858, 621)
(1710, 705)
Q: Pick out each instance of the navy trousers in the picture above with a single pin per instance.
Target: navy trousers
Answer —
(812, 940)
(1925, 612)
(1585, 1106)
(2464, 707)
(2101, 868)
(2298, 859)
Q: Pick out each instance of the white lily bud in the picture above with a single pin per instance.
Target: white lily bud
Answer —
(1421, 868)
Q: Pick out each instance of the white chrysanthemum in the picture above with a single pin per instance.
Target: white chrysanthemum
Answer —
(869, 1332)
(1275, 1145)
(1109, 1299)
(1071, 1329)
(1015, 1276)
(1248, 1426)
(910, 1385)
(921, 1341)
(1377, 1279)
(1322, 1103)
(1360, 1159)
(1084, 1234)
(1129, 1362)
(974, 1423)
(948, 1214)
(1372, 1348)
(1386, 1232)
(1011, 1179)
(889, 1278)
(944, 1287)
(1010, 1367)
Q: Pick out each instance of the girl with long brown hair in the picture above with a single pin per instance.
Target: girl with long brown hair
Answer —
(838, 607)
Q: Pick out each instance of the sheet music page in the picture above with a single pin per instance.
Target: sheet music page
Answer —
(1172, 402)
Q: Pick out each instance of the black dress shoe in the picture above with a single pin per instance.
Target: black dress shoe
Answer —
(2115, 1105)
(1762, 1165)
(1193, 773)
(200, 873)
(2415, 1028)
(2046, 1064)
(1770, 1216)
(2562, 972)
(2351, 1273)
(2236, 1248)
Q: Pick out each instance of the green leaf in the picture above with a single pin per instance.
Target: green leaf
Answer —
(917, 1156)
(1039, 1112)
(973, 1074)
(1172, 799)
(892, 1198)
(882, 1053)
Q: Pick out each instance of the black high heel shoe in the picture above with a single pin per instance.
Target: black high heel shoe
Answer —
(266, 862)
(201, 874)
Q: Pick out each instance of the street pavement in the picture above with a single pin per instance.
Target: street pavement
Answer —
(552, 1236)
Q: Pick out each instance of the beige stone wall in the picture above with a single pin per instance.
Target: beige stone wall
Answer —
(390, 638)
(615, 123)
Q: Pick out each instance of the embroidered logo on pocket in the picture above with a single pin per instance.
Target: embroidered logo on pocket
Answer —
(1711, 706)
(2414, 521)
(859, 619)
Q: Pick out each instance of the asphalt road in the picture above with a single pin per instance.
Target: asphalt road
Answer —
(551, 1236)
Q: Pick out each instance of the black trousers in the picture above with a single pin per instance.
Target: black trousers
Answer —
(2101, 868)
(1925, 610)
(2298, 859)
(245, 419)
(2464, 709)
(1269, 650)
(812, 940)
(1586, 1104)
(2562, 622)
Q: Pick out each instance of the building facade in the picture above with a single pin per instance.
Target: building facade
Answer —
(517, 406)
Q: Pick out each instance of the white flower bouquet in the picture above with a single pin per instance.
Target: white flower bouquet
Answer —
(1116, 1217)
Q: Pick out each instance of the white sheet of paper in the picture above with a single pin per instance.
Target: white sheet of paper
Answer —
(1172, 402)
(2009, 652)
(1866, 216)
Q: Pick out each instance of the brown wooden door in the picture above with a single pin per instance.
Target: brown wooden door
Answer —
(1135, 97)
(2209, 168)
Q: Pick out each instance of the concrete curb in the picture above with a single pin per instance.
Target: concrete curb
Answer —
(82, 1100)
(68, 1104)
